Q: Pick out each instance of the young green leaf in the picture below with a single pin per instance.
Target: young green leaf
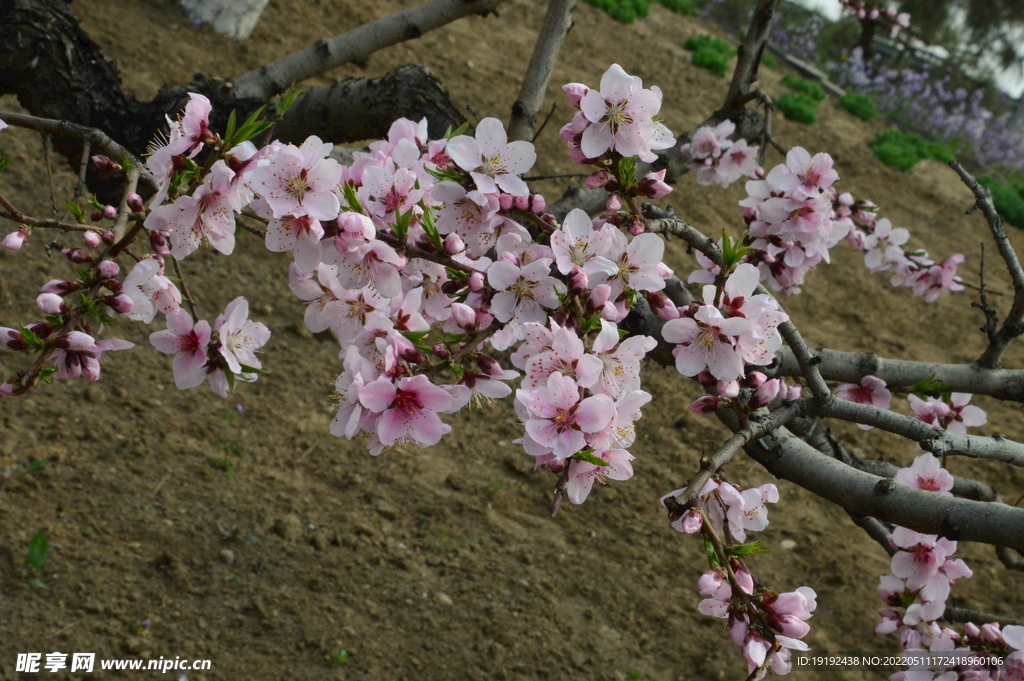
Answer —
(38, 547)
(588, 456)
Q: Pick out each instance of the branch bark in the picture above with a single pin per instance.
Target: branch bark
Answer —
(557, 22)
(360, 42)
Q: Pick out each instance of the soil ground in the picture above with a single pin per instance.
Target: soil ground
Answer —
(249, 536)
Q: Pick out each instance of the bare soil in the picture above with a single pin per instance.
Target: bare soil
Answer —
(260, 542)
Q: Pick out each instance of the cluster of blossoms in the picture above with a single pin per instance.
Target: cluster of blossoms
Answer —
(765, 625)
(719, 160)
(882, 245)
(872, 10)
(923, 570)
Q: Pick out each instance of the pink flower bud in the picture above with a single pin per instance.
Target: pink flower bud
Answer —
(91, 239)
(105, 164)
(728, 389)
(476, 281)
(108, 238)
(706, 378)
(972, 630)
(613, 203)
(506, 201)
(356, 224)
(109, 212)
(412, 355)
(107, 269)
(599, 296)
(96, 216)
(159, 244)
(120, 303)
(692, 521)
(990, 632)
(41, 329)
(51, 303)
(708, 404)
(7, 388)
(653, 185)
(510, 256)
(61, 287)
(754, 379)
(793, 393)
(873, 14)
(76, 341)
(135, 203)
(578, 281)
(763, 396)
(523, 202)
(441, 351)
(15, 240)
(12, 339)
(489, 365)
(538, 203)
(759, 173)
(575, 92)
(454, 244)
(464, 316)
(76, 255)
(637, 226)
(598, 179)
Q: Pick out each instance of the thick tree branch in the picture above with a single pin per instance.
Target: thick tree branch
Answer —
(323, 55)
(787, 456)
(851, 367)
(1013, 325)
(557, 22)
(364, 108)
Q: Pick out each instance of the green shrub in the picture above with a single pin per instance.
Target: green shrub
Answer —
(695, 43)
(769, 61)
(859, 105)
(804, 86)
(903, 151)
(1009, 202)
(797, 106)
(627, 11)
(712, 60)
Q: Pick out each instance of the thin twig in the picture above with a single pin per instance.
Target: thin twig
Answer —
(554, 106)
(47, 145)
(184, 290)
(82, 167)
(124, 211)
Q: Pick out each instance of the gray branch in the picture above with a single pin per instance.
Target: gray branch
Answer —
(1013, 325)
(851, 367)
(354, 45)
(557, 22)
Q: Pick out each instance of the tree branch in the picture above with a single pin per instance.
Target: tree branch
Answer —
(1013, 325)
(557, 22)
(354, 45)
(851, 367)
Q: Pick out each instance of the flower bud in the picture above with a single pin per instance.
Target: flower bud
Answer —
(578, 281)
(754, 379)
(159, 244)
(412, 355)
(108, 238)
(76, 255)
(708, 404)
(599, 296)
(692, 521)
(441, 351)
(135, 203)
(41, 329)
(120, 303)
(728, 389)
(15, 240)
(91, 239)
(51, 303)
(523, 202)
(454, 244)
(489, 365)
(613, 202)
(464, 316)
(109, 212)
(759, 173)
(972, 630)
(598, 179)
(637, 227)
(575, 92)
(107, 269)
(76, 341)
(476, 281)
(763, 396)
(12, 339)
(7, 388)
(990, 631)
(96, 215)
(61, 287)
(653, 185)
(538, 203)
(104, 163)
(506, 201)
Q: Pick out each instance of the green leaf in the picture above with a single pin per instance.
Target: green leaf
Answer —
(443, 175)
(732, 252)
(754, 548)
(34, 341)
(401, 223)
(38, 547)
(95, 203)
(588, 456)
(46, 373)
(35, 583)
(76, 211)
(427, 222)
(246, 369)
(458, 370)
(352, 198)
(126, 163)
(929, 387)
(709, 551)
(286, 100)
(461, 130)
(232, 122)
(627, 172)
(4, 162)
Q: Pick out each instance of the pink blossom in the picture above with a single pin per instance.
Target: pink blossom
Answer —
(583, 474)
(187, 342)
(207, 216)
(578, 244)
(15, 240)
(491, 160)
(301, 181)
(523, 292)
(705, 342)
(928, 474)
(871, 391)
(622, 118)
(299, 236)
(78, 354)
(620, 366)
(150, 291)
(239, 336)
(883, 246)
(963, 415)
(408, 409)
(559, 420)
